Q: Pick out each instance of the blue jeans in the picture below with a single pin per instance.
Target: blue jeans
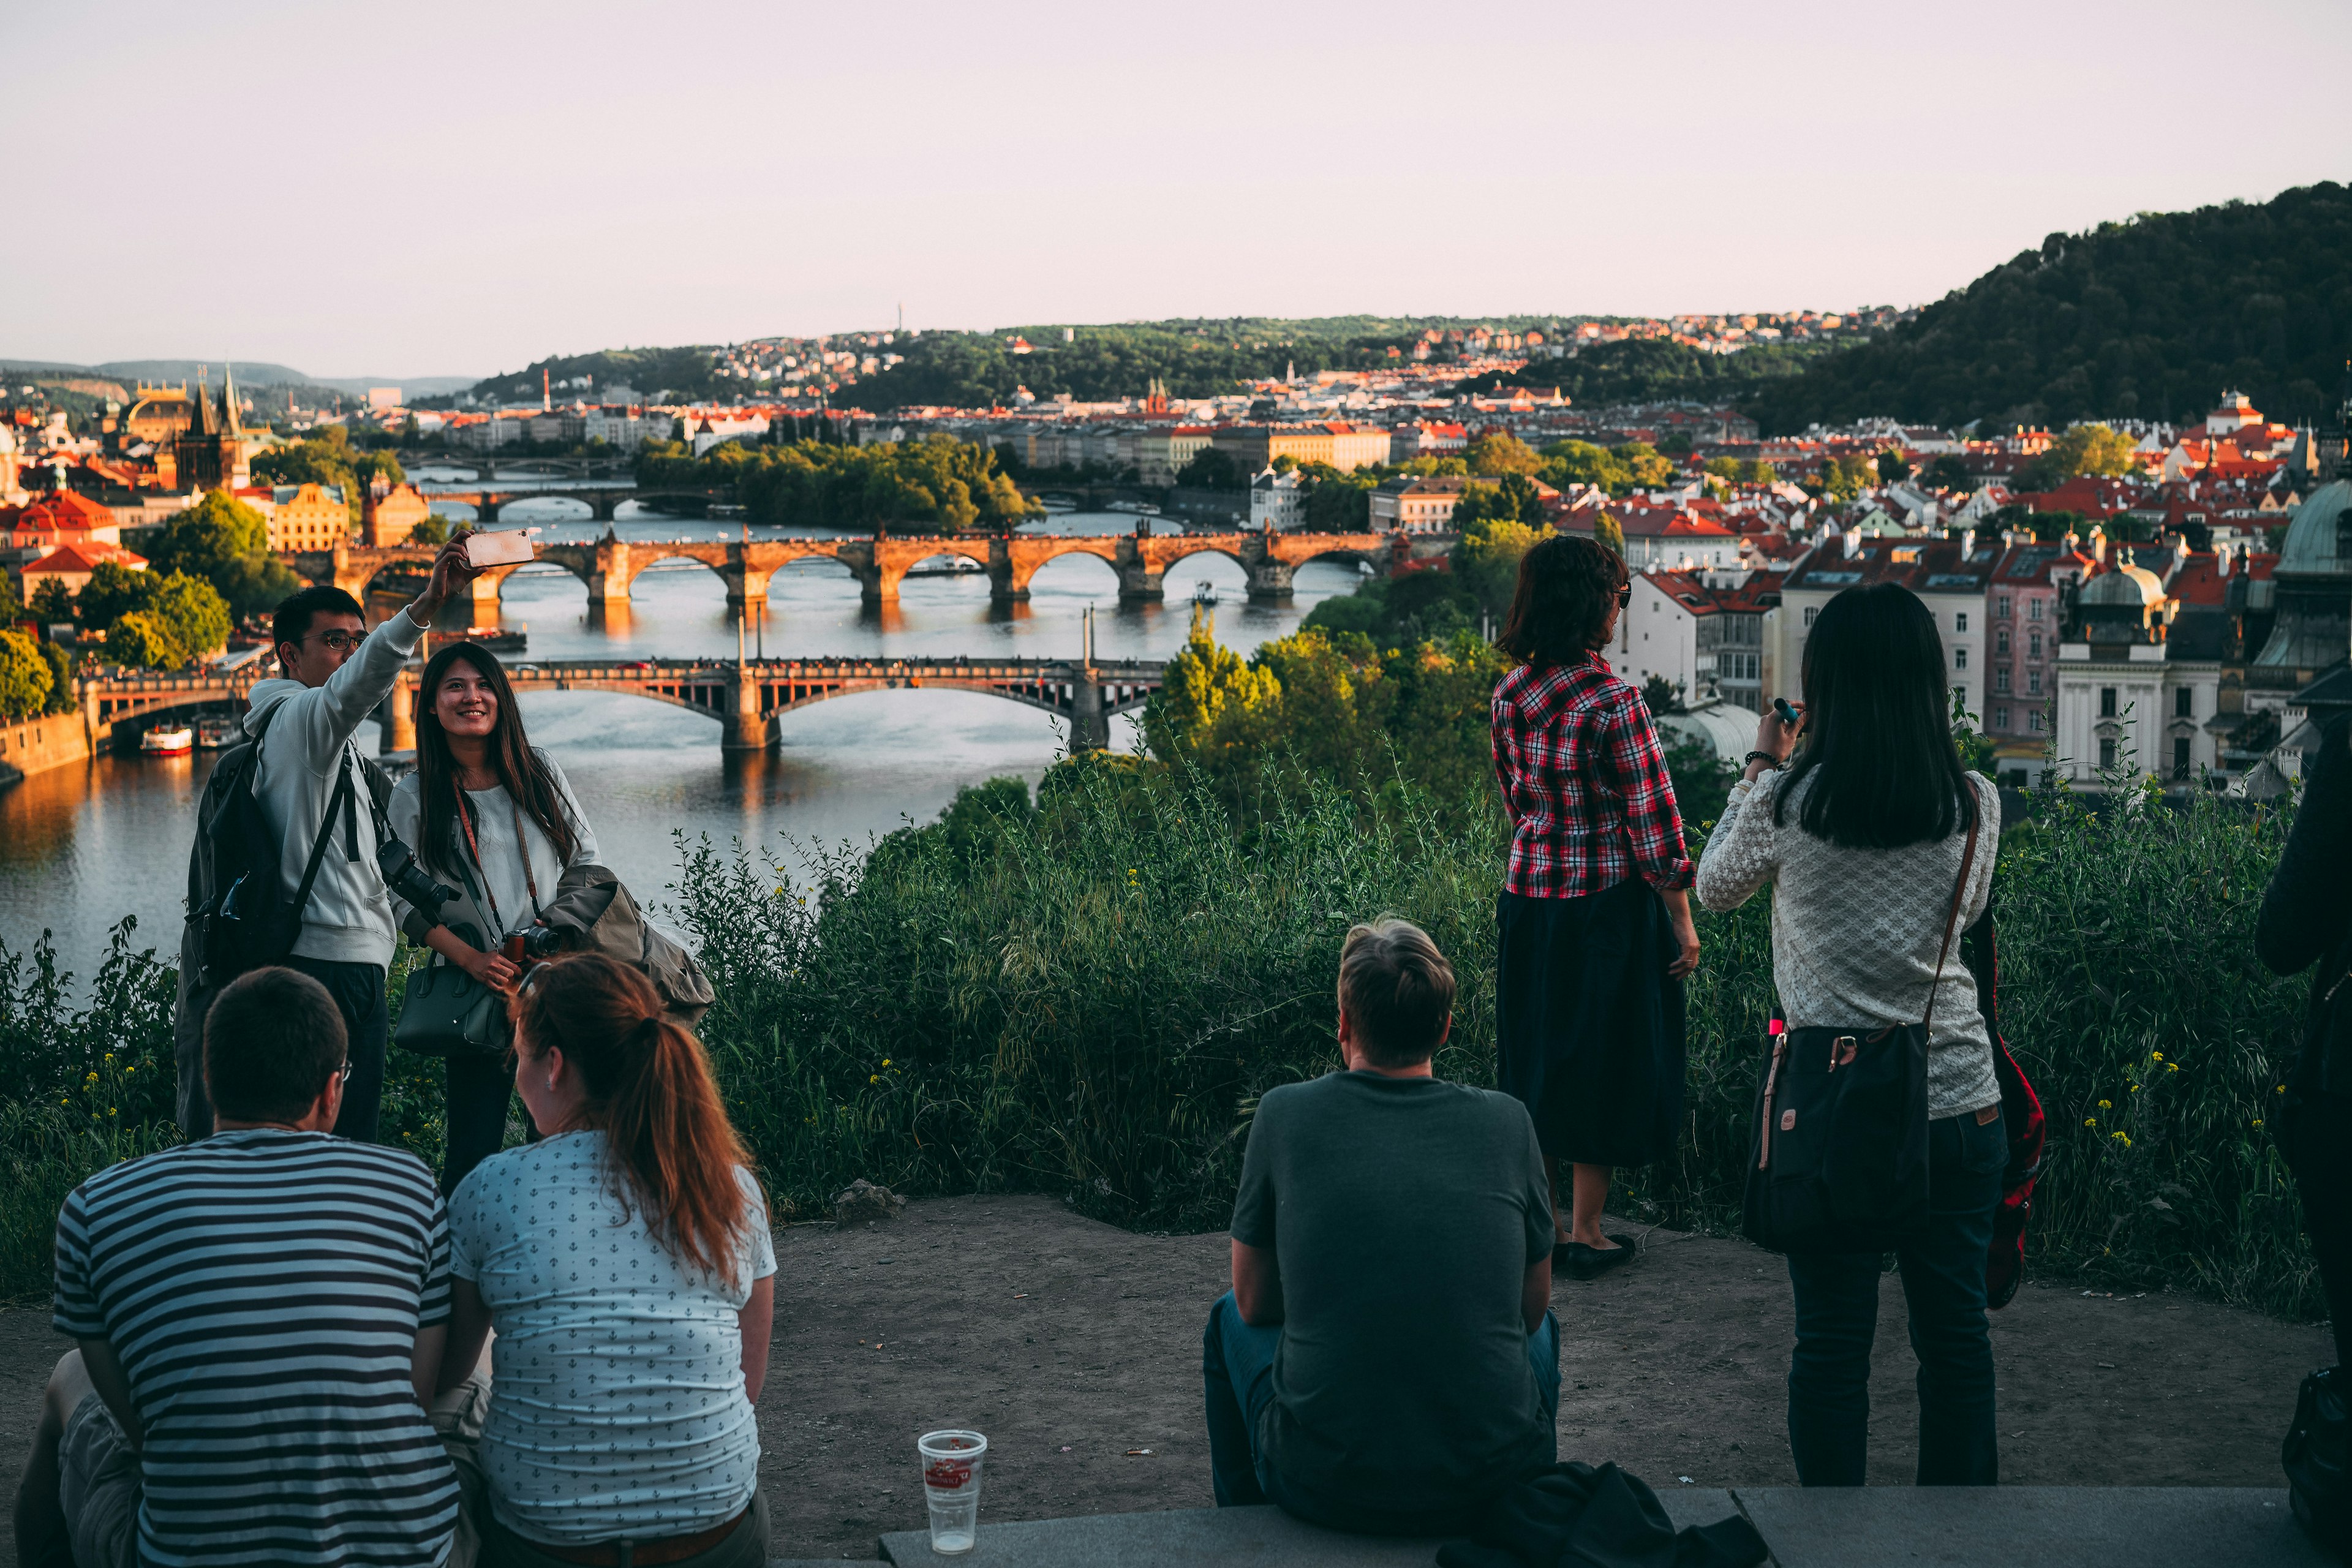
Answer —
(1944, 1285)
(1237, 1378)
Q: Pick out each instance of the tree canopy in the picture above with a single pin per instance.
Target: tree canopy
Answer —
(226, 542)
(2152, 318)
(24, 679)
(935, 484)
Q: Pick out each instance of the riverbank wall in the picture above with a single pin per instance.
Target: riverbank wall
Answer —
(51, 740)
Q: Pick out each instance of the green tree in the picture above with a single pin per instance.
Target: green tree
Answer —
(194, 612)
(226, 542)
(1947, 472)
(141, 640)
(24, 678)
(1645, 469)
(61, 685)
(2095, 449)
(12, 608)
(1205, 686)
(113, 592)
(1500, 452)
(1676, 444)
(1609, 533)
(52, 605)
(433, 529)
(1893, 466)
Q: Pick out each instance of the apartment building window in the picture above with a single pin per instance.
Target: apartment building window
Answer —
(1960, 656)
(2033, 720)
(2000, 718)
(2184, 704)
(2001, 607)
(2034, 683)
(2180, 758)
(2001, 678)
(1811, 612)
(2107, 701)
(2033, 644)
(2033, 609)
(2000, 640)
(2106, 755)
(1960, 621)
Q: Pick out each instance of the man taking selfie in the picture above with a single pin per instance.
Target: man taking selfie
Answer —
(336, 673)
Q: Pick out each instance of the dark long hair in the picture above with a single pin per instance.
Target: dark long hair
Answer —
(522, 770)
(1561, 607)
(1878, 728)
(649, 1090)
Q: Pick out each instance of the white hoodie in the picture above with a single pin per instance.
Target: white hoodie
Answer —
(309, 745)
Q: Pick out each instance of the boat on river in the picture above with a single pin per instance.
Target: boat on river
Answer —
(961, 566)
(1140, 507)
(1204, 593)
(160, 741)
(215, 731)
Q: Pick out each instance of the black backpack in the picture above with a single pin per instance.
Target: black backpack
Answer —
(2318, 1454)
(240, 916)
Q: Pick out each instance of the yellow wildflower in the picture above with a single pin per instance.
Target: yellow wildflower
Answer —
(2090, 1121)
(874, 1077)
(2106, 1105)
(2258, 1121)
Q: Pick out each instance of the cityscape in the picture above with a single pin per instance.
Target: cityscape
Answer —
(1537, 785)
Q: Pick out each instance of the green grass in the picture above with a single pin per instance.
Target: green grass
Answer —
(1087, 997)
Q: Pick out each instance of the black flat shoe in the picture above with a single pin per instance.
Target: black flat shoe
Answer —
(1627, 1242)
(1588, 1262)
(1562, 1254)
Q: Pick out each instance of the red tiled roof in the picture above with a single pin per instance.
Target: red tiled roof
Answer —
(78, 558)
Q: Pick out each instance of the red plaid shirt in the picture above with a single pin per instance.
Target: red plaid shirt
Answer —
(1585, 782)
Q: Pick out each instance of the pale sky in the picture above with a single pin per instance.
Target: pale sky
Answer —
(437, 188)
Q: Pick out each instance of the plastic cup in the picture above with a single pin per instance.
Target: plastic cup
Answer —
(951, 1487)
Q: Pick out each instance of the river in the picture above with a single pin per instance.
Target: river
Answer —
(83, 846)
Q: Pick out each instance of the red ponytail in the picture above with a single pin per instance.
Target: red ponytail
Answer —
(650, 1092)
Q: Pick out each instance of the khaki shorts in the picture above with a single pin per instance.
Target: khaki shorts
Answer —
(100, 1488)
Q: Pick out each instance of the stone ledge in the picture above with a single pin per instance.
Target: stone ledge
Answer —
(2046, 1527)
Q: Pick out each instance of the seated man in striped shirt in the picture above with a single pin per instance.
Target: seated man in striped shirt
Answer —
(261, 1314)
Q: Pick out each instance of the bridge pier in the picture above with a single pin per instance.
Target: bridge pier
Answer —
(396, 717)
(604, 505)
(1005, 584)
(747, 587)
(1139, 581)
(1090, 725)
(743, 725)
(486, 508)
(1270, 581)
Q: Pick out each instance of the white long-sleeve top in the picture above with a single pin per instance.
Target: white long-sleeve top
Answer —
(1855, 930)
(305, 752)
(494, 817)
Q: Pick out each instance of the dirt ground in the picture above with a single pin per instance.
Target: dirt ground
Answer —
(1071, 1342)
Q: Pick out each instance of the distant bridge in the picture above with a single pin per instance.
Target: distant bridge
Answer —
(602, 501)
(881, 562)
(746, 698)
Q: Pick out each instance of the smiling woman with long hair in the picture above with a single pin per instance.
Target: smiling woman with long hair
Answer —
(493, 817)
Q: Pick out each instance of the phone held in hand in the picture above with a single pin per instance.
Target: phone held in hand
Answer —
(505, 548)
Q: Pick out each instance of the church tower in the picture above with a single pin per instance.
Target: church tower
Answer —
(210, 453)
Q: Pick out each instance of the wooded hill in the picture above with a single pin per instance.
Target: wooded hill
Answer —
(2151, 317)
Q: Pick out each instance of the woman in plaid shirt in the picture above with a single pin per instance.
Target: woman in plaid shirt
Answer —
(1596, 932)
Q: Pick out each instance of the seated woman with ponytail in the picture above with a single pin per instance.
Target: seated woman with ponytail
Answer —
(625, 1264)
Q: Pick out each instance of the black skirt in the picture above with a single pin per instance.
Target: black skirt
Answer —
(1587, 1023)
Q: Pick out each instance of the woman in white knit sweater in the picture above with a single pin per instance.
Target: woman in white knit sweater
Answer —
(1862, 839)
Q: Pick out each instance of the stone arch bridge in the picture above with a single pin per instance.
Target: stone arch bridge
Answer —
(604, 501)
(881, 562)
(746, 698)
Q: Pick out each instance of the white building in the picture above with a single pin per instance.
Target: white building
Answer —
(1948, 575)
(1278, 502)
(626, 429)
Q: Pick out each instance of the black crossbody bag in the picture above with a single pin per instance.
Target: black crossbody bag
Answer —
(1839, 1158)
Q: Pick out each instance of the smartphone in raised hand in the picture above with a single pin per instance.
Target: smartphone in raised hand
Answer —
(505, 548)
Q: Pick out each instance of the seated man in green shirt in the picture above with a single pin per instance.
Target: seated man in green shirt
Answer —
(1387, 1361)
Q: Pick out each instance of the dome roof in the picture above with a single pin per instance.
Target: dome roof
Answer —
(2124, 583)
(2311, 538)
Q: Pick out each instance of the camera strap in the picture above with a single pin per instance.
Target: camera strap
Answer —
(473, 847)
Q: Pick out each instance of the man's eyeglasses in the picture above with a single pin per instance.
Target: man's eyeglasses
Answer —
(343, 1073)
(1626, 596)
(339, 642)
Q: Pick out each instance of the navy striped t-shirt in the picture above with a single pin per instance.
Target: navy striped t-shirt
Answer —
(263, 1289)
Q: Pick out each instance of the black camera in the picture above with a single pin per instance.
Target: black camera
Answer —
(541, 941)
(404, 877)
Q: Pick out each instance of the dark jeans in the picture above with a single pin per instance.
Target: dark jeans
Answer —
(1944, 1285)
(2316, 1134)
(358, 991)
(1237, 1378)
(479, 1088)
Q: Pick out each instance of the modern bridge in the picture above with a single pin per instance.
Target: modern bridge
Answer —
(745, 696)
(881, 561)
